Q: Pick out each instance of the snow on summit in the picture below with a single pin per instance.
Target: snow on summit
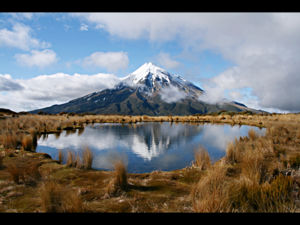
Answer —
(146, 69)
(153, 76)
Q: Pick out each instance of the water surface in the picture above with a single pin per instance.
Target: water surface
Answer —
(145, 147)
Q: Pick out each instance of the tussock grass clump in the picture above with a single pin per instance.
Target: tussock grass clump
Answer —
(9, 140)
(57, 198)
(84, 162)
(249, 196)
(78, 162)
(252, 182)
(232, 154)
(210, 193)
(60, 156)
(27, 143)
(70, 159)
(51, 196)
(119, 183)
(87, 158)
(202, 159)
(252, 134)
(27, 173)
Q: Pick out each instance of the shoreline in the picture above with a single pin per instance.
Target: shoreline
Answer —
(146, 190)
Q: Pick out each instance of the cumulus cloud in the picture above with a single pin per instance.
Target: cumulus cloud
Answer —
(8, 84)
(166, 61)
(111, 61)
(20, 37)
(172, 94)
(37, 58)
(46, 90)
(263, 47)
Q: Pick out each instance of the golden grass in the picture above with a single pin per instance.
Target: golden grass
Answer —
(60, 156)
(56, 198)
(210, 193)
(202, 159)
(27, 143)
(87, 158)
(13, 128)
(247, 195)
(244, 181)
(255, 185)
(70, 159)
(26, 172)
(119, 184)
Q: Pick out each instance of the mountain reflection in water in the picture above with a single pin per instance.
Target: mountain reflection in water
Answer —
(145, 146)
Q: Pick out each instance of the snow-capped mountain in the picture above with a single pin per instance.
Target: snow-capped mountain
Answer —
(150, 79)
(149, 90)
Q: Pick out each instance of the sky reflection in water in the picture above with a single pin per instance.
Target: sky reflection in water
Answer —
(145, 146)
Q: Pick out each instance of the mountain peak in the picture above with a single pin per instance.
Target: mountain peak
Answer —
(146, 71)
(147, 68)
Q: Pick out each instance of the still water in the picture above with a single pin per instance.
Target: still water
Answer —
(145, 147)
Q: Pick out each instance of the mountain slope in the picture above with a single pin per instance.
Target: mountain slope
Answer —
(150, 90)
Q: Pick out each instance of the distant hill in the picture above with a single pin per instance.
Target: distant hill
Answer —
(150, 90)
(7, 111)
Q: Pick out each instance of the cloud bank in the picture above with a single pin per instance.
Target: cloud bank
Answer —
(264, 48)
(46, 90)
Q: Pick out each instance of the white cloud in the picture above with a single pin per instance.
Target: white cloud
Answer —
(22, 16)
(8, 84)
(84, 27)
(264, 47)
(172, 94)
(20, 37)
(111, 61)
(166, 61)
(36, 58)
(46, 90)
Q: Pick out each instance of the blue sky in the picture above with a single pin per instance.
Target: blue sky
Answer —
(71, 43)
(240, 56)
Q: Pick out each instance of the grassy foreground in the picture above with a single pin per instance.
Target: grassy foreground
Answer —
(258, 173)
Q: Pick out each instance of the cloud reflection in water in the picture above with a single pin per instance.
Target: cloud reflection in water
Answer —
(145, 146)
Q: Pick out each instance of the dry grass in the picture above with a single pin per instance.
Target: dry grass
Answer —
(245, 181)
(210, 193)
(87, 158)
(70, 159)
(51, 195)
(119, 184)
(56, 198)
(1, 162)
(15, 172)
(255, 185)
(27, 143)
(26, 172)
(247, 195)
(60, 156)
(202, 159)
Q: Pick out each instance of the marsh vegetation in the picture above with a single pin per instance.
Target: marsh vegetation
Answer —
(257, 174)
